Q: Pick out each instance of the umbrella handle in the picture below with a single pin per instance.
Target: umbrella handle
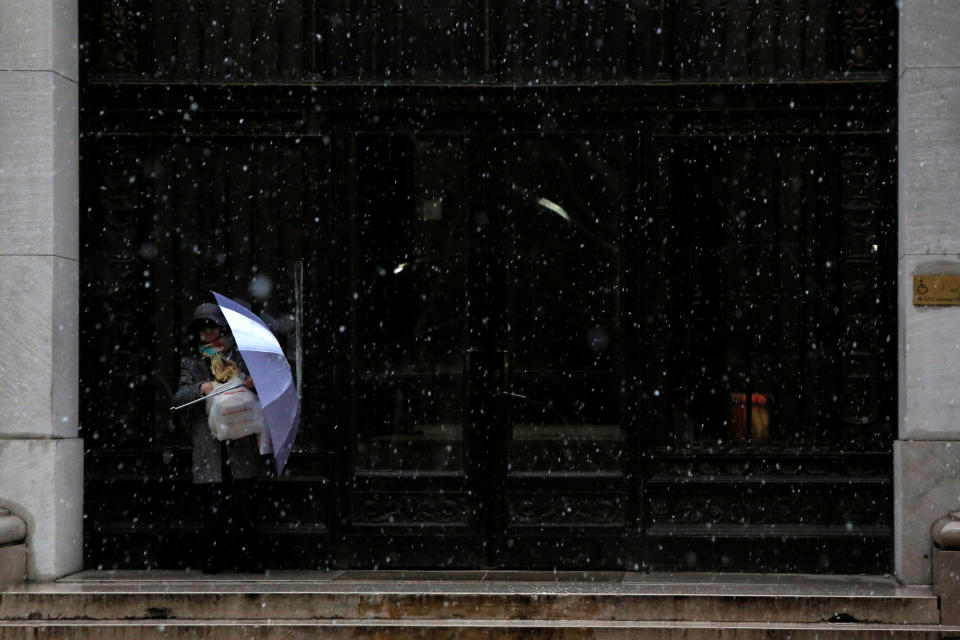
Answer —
(209, 395)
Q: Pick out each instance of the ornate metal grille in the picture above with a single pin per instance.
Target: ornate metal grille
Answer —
(747, 229)
(493, 40)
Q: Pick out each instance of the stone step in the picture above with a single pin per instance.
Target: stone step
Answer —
(461, 630)
(467, 605)
(505, 596)
(390, 603)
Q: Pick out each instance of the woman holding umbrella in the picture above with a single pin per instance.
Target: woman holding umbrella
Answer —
(226, 471)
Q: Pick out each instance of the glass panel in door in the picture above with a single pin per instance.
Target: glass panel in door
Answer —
(409, 304)
(566, 490)
(408, 502)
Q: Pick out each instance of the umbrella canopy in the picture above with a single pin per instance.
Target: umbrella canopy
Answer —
(271, 375)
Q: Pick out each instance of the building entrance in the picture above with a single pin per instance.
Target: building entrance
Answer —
(582, 302)
(487, 366)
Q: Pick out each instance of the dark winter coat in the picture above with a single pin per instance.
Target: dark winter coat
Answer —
(243, 454)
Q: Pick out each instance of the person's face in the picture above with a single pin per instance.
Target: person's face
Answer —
(209, 332)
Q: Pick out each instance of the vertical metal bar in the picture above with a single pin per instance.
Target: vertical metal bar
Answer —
(790, 390)
(164, 39)
(662, 38)
(737, 43)
(187, 39)
(298, 323)
(638, 61)
(764, 45)
(294, 36)
(485, 63)
(790, 40)
(816, 37)
(345, 167)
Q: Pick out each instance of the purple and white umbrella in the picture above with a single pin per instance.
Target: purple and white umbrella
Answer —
(271, 374)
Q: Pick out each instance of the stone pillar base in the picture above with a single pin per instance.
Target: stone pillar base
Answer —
(946, 580)
(13, 564)
(41, 481)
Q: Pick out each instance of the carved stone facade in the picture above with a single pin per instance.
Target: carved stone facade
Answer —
(156, 74)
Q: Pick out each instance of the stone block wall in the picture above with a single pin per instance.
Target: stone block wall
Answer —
(41, 457)
(927, 456)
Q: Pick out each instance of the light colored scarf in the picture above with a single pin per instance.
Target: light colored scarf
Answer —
(223, 368)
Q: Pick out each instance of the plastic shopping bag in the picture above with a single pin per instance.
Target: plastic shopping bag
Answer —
(234, 414)
(264, 443)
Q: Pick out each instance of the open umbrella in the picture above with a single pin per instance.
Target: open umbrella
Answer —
(271, 375)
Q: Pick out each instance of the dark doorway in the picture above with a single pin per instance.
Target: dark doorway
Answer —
(570, 286)
(487, 369)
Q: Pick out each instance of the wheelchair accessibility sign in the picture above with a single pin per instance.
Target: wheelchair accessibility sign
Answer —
(936, 290)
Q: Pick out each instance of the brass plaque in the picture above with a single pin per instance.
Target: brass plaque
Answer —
(940, 290)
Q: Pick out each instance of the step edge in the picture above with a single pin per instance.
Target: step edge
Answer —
(491, 623)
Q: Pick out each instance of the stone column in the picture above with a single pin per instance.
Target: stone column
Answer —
(41, 457)
(927, 456)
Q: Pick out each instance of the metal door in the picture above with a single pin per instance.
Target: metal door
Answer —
(475, 392)
(485, 376)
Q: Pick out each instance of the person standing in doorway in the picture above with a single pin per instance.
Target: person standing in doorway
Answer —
(228, 471)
